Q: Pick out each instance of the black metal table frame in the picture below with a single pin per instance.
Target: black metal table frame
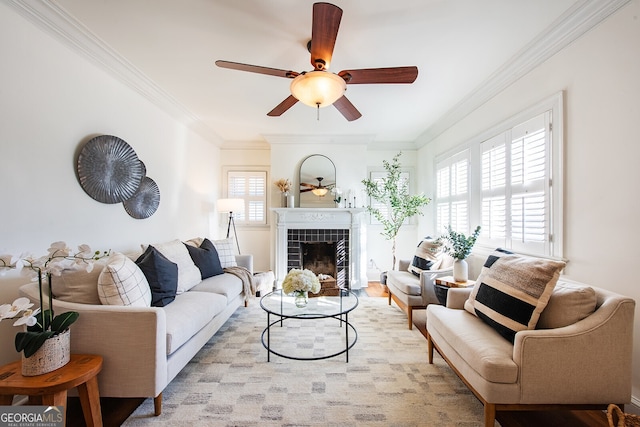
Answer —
(310, 316)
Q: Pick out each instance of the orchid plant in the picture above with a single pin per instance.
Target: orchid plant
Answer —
(42, 324)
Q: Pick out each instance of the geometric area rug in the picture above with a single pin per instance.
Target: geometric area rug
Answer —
(387, 381)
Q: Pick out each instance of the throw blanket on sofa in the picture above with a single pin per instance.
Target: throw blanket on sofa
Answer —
(246, 277)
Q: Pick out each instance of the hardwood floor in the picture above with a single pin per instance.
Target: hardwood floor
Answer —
(515, 418)
(115, 411)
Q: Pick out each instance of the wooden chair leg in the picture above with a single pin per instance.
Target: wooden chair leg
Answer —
(157, 405)
(389, 292)
(410, 316)
(489, 415)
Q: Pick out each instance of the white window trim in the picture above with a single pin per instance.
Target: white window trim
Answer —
(555, 103)
(257, 168)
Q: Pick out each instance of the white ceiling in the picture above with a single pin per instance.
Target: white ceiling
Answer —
(461, 48)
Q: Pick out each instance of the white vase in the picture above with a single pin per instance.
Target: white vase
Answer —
(54, 354)
(460, 270)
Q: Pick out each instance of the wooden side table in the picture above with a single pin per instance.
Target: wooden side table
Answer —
(51, 389)
(442, 285)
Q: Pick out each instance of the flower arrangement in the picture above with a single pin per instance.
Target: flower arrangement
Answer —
(300, 281)
(42, 324)
(457, 245)
(283, 185)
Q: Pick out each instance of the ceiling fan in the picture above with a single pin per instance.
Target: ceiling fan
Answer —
(320, 87)
(319, 190)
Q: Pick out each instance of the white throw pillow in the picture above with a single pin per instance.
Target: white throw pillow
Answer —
(188, 273)
(121, 282)
(225, 252)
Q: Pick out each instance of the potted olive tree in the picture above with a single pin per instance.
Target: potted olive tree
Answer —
(459, 246)
(393, 191)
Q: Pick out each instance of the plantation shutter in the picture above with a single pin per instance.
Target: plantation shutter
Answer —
(452, 193)
(251, 187)
(515, 170)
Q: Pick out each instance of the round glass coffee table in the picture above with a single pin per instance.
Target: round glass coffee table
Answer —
(279, 341)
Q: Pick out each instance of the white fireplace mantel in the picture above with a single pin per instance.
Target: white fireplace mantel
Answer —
(351, 219)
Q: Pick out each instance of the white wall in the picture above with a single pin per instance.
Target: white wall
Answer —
(52, 101)
(599, 74)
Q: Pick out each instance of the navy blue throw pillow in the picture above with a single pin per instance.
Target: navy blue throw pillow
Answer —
(161, 274)
(206, 258)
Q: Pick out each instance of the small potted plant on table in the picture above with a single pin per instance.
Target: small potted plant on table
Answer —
(459, 246)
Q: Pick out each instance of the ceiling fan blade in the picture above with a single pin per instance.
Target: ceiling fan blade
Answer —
(347, 109)
(380, 75)
(326, 22)
(256, 69)
(289, 102)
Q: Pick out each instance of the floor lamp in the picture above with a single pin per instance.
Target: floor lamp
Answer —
(231, 206)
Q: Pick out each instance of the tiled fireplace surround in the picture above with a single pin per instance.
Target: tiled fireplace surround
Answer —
(344, 227)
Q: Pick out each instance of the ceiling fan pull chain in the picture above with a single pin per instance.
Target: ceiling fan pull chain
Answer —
(318, 111)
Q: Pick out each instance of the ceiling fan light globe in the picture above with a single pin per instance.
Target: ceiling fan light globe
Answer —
(318, 88)
(320, 191)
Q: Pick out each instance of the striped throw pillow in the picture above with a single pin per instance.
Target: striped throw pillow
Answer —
(426, 257)
(512, 290)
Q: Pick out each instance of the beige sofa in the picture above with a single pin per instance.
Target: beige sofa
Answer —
(580, 365)
(144, 348)
(413, 292)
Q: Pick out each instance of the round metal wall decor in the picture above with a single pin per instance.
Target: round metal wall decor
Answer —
(145, 201)
(109, 169)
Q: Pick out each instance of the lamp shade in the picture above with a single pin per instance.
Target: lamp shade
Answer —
(318, 88)
(230, 205)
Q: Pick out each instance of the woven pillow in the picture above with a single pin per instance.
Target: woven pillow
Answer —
(512, 290)
(79, 286)
(568, 304)
(176, 252)
(226, 252)
(121, 282)
(426, 257)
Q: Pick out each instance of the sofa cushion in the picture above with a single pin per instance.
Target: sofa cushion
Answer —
(405, 282)
(476, 342)
(567, 305)
(121, 282)
(205, 257)
(161, 274)
(226, 252)
(188, 313)
(79, 286)
(188, 273)
(512, 290)
(426, 256)
(226, 284)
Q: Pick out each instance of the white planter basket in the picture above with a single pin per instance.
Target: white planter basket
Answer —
(54, 354)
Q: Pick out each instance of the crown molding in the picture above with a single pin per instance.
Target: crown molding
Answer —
(318, 139)
(57, 22)
(575, 22)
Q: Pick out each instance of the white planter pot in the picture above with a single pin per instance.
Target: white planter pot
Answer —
(460, 270)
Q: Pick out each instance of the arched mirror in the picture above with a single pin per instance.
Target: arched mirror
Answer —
(317, 178)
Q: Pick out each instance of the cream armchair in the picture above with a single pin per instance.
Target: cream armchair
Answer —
(411, 292)
(583, 365)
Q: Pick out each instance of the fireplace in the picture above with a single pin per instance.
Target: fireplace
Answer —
(332, 239)
(321, 251)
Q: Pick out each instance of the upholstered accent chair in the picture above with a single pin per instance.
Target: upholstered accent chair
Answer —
(411, 291)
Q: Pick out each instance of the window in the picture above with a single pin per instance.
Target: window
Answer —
(452, 193)
(252, 187)
(509, 181)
